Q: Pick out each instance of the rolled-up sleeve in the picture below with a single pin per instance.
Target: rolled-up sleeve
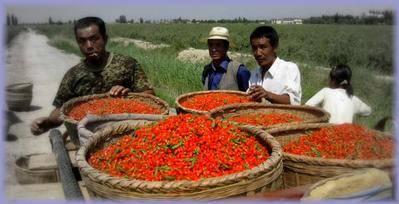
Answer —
(293, 84)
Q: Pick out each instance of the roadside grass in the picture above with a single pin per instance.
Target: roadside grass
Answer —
(171, 77)
(12, 32)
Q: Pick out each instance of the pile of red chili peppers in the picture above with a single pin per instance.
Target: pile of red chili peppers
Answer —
(105, 106)
(209, 101)
(265, 119)
(183, 147)
(346, 141)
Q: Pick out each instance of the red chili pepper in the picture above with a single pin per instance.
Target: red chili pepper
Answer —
(346, 141)
(111, 106)
(183, 147)
(265, 119)
(209, 101)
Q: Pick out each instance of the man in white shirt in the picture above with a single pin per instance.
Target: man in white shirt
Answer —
(276, 80)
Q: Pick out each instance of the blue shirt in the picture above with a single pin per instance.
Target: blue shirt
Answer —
(215, 75)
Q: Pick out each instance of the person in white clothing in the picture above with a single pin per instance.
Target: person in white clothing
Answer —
(338, 98)
(276, 80)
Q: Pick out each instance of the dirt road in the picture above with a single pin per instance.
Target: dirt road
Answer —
(31, 59)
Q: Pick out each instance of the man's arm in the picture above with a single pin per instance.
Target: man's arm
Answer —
(258, 92)
(43, 124)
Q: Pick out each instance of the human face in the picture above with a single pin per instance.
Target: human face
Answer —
(91, 43)
(263, 52)
(217, 50)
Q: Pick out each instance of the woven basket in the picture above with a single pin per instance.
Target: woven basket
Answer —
(307, 113)
(184, 97)
(27, 176)
(301, 170)
(71, 124)
(265, 177)
(19, 96)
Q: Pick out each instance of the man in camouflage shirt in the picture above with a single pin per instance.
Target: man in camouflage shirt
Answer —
(99, 72)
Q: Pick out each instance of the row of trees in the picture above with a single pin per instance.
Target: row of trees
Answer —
(12, 20)
(374, 17)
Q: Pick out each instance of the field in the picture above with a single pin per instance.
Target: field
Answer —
(367, 49)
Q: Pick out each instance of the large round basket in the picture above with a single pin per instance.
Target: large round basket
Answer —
(184, 97)
(301, 170)
(71, 124)
(264, 177)
(307, 113)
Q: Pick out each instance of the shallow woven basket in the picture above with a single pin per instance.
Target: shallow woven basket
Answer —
(25, 175)
(71, 124)
(301, 170)
(264, 177)
(309, 114)
(184, 97)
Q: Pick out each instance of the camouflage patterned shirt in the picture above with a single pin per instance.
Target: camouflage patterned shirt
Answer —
(83, 80)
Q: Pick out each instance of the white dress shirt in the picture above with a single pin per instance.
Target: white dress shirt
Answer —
(282, 78)
(341, 107)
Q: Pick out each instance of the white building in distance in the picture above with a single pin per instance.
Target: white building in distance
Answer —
(287, 21)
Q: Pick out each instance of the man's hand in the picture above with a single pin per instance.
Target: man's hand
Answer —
(258, 92)
(119, 91)
(40, 125)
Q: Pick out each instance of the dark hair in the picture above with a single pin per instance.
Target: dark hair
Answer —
(267, 32)
(88, 21)
(341, 74)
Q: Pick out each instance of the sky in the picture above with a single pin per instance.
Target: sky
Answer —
(40, 11)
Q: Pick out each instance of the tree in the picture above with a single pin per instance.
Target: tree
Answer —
(50, 20)
(141, 20)
(14, 20)
(122, 19)
(8, 19)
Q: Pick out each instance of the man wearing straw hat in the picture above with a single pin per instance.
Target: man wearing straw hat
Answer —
(223, 73)
(276, 80)
(99, 72)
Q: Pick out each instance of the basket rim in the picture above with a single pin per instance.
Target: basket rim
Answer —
(190, 110)
(69, 104)
(268, 166)
(330, 162)
(254, 105)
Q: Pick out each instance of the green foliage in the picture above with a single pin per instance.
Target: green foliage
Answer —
(367, 49)
(12, 32)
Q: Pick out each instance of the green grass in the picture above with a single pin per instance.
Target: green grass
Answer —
(12, 32)
(308, 45)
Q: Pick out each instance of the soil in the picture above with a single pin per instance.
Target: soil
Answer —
(30, 59)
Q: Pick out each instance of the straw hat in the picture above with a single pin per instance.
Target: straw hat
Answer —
(219, 33)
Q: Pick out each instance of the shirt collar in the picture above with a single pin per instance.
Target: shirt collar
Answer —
(273, 69)
(224, 64)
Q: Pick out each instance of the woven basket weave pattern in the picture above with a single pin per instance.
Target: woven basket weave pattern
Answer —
(103, 185)
(302, 170)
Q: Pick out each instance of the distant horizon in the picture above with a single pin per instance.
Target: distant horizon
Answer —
(28, 14)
